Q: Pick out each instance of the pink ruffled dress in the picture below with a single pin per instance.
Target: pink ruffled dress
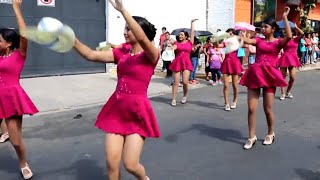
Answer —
(129, 111)
(231, 65)
(182, 60)
(264, 73)
(290, 57)
(13, 99)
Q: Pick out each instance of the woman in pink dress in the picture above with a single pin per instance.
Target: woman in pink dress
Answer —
(182, 64)
(263, 74)
(231, 66)
(289, 61)
(127, 117)
(14, 102)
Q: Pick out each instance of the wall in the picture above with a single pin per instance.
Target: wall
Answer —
(315, 13)
(164, 13)
(221, 15)
(243, 11)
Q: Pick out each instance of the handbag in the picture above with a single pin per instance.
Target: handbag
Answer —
(168, 55)
(215, 64)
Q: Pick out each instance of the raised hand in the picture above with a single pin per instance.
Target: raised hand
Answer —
(117, 4)
(286, 11)
(16, 3)
(193, 20)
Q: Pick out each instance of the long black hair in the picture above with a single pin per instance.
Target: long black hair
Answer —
(146, 26)
(271, 22)
(11, 35)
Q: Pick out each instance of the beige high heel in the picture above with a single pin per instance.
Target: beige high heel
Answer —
(250, 143)
(269, 139)
(27, 175)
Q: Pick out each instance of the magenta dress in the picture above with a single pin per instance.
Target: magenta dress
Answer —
(129, 111)
(13, 99)
(264, 73)
(231, 64)
(182, 60)
(290, 57)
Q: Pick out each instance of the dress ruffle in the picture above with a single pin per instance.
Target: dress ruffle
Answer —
(15, 101)
(127, 114)
(262, 75)
(231, 65)
(289, 60)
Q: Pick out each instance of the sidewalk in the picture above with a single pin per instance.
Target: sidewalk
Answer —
(59, 93)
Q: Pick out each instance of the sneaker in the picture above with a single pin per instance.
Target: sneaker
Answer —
(282, 97)
(4, 137)
(214, 84)
(227, 107)
(184, 100)
(289, 95)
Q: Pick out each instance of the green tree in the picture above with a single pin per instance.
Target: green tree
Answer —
(308, 5)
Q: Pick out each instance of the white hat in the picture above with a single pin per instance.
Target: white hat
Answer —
(220, 36)
(51, 33)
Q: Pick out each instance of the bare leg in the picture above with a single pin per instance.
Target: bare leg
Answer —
(235, 79)
(284, 74)
(292, 72)
(226, 88)
(176, 76)
(114, 146)
(131, 156)
(4, 128)
(185, 79)
(268, 98)
(253, 101)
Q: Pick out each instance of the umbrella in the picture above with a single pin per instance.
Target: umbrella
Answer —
(244, 26)
(176, 32)
(282, 25)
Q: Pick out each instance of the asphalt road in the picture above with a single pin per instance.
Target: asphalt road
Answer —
(200, 141)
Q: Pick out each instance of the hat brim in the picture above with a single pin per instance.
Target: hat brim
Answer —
(60, 41)
(220, 36)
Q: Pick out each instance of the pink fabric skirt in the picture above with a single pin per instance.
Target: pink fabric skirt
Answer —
(127, 114)
(181, 63)
(231, 65)
(289, 59)
(15, 101)
(262, 75)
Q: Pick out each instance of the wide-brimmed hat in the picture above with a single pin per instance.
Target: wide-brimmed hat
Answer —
(51, 33)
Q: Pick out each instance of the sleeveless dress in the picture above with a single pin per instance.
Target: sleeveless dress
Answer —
(264, 73)
(290, 57)
(231, 64)
(13, 98)
(128, 110)
(182, 60)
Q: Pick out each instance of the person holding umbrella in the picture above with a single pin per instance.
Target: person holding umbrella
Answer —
(182, 63)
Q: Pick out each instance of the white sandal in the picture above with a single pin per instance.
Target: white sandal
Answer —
(184, 100)
(27, 175)
(269, 139)
(250, 143)
(4, 137)
(173, 103)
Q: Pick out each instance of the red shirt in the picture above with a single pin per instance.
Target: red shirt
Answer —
(162, 39)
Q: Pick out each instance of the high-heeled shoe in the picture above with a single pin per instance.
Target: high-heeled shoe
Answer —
(250, 143)
(26, 175)
(269, 139)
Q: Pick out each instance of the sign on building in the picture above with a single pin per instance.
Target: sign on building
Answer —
(50, 3)
(6, 1)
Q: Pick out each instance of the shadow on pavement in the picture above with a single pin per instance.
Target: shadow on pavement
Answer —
(229, 135)
(307, 174)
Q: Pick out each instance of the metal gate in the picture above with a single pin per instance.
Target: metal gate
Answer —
(86, 17)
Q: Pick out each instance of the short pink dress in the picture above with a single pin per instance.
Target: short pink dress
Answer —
(13, 99)
(231, 65)
(182, 60)
(290, 57)
(264, 73)
(129, 111)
